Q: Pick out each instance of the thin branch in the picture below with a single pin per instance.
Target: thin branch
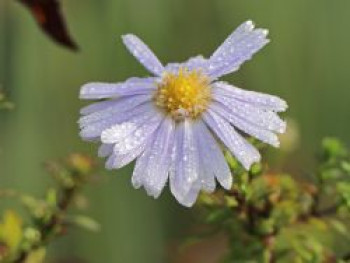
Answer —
(47, 229)
(327, 211)
(346, 256)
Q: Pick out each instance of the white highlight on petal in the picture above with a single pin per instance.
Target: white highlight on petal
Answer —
(245, 153)
(260, 100)
(116, 160)
(138, 135)
(143, 54)
(133, 142)
(120, 131)
(239, 47)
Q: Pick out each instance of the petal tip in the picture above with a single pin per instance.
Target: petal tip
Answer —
(83, 93)
(127, 36)
(250, 24)
(265, 32)
(227, 184)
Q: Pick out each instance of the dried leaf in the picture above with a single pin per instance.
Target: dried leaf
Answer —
(48, 15)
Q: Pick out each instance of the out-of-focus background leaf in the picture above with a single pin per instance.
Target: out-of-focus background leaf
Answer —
(306, 64)
(49, 17)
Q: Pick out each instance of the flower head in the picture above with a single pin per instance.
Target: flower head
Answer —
(175, 122)
(183, 95)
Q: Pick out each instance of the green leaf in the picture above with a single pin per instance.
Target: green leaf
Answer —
(339, 226)
(32, 235)
(231, 201)
(343, 188)
(85, 222)
(51, 197)
(331, 174)
(11, 230)
(332, 147)
(232, 162)
(36, 256)
(345, 165)
(266, 226)
(256, 169)
(218, 215)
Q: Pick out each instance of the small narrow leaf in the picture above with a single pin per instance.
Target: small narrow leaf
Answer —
(85, 222)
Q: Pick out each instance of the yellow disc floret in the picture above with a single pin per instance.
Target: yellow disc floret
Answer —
(183, 94)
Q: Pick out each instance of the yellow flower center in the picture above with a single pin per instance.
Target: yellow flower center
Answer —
(185, 94)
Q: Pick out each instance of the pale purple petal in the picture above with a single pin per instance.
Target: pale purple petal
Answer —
(99, 90)
(92, 129)
(118, 108)
(206, 175)
(131, 130)
(198, 63)
(239, 47)
(245, 153)
(245, 126)
(264, 119)
(213, 156)
(185, 170)
(206, 170)
(143, 54)
(117, 160)
(260, 100)
(190, 198)
(105, 150)
(132, 143)
(152, 167)
(140, 167)
(138, 136)
(98, 106)
(133, 86)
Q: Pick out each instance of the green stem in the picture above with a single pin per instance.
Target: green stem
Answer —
(47, 230)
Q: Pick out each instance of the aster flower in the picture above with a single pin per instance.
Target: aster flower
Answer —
(176, 122)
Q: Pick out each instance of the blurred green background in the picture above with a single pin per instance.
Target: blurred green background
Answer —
(307, 64)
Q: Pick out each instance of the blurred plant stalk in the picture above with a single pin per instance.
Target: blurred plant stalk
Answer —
(49, 217)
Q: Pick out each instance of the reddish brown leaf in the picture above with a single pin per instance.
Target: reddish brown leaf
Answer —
(48, 15)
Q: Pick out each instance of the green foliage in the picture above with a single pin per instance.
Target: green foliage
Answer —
(4, 103)
(27, 240)
(271, 217)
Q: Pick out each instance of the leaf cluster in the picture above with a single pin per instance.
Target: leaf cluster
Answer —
(25, 238)
(272, 217)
